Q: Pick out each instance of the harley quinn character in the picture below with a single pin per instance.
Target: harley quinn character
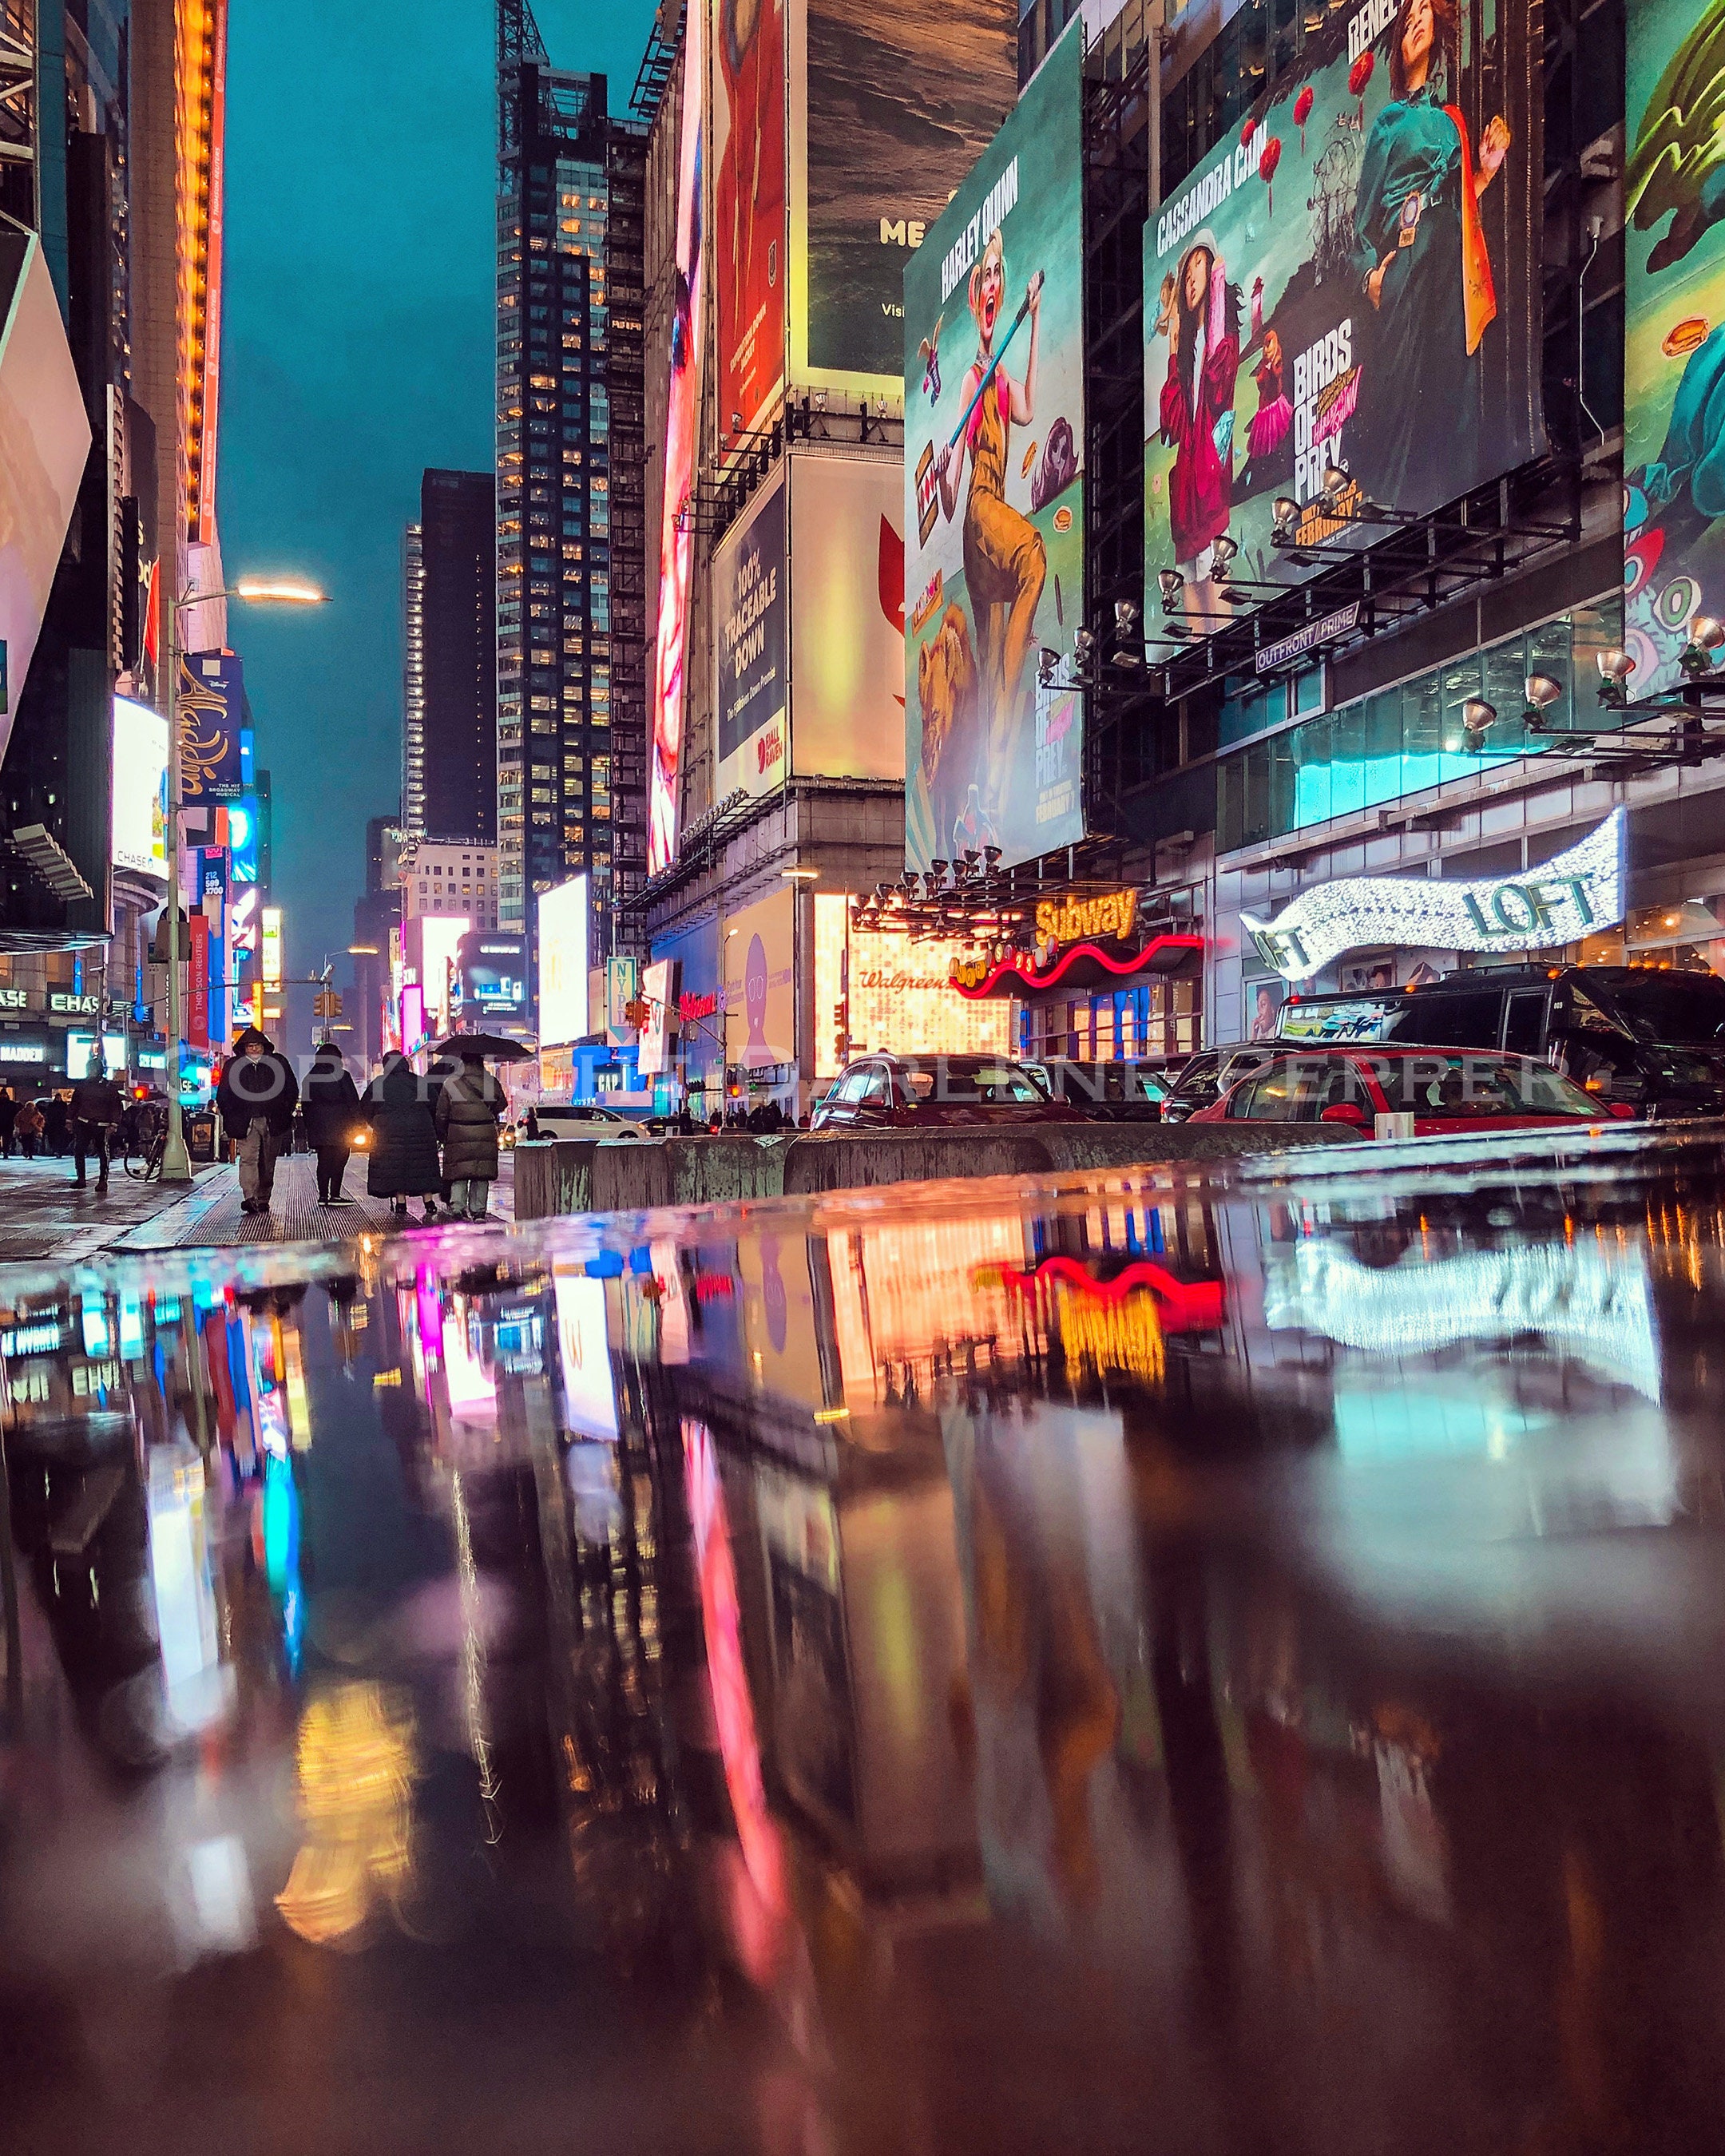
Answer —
(1197, 416)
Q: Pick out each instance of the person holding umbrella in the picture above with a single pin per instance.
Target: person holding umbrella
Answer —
(403, 1162)
(466, 1115)
(328, 1103)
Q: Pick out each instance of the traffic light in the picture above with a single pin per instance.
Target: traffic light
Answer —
(327, 1004)
(841, 1038)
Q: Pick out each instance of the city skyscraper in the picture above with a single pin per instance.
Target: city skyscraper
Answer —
(571, 550)
(449, 685)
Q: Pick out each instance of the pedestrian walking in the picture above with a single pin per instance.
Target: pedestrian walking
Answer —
(330, 1108)
(403, 1163)
(8, 1121)
(27, 1128)
(96, 1109)
(56, 1124)
(468, 1110)
(256, 1099)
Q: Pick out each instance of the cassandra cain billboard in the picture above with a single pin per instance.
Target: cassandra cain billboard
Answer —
(1347, 282)
(1674, 363)
(995, 497)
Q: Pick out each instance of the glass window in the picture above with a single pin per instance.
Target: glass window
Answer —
(1440, 1019)
(1464, 1085)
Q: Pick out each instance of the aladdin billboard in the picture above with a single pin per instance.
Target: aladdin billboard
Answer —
(1351, 282)
(993, 369)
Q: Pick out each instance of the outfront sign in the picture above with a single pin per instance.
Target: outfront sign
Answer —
(1576, 895)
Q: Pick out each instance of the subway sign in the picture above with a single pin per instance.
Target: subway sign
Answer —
(1576, 895)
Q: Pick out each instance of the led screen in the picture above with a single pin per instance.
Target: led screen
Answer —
(676, 535)
(760, 983)
(750, 636)
(1674, 485)
(1348, 281)
(994, 361)
(750, 272)
(563, 962)
(848, 617)
(140, 788)
(895, 995)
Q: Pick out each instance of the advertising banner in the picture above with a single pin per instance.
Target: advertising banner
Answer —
(761, 984)
(140, 788)
(1674, 319)
(658, 992)
(751, 614)
(848, 616)
(563, 962)
(896, 996)
(211, 713)
(993, 369)
(891, 106)
(751, 274)
(676, 531)
(197, 984)
(1350, 281)
(622, 980)
(212, 888)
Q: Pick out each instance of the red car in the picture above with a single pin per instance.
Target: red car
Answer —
(1444, 1090)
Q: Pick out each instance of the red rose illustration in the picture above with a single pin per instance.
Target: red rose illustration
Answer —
(1303, 113)
(1267, 163)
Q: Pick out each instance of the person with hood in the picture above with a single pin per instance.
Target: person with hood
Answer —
(329, 1106)
(466, 1117)
(96, 1109)
(256, 1099)
(56, 1123)
(403, 1163)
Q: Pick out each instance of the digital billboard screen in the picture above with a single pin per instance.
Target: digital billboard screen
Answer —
(563, 962)
(493, 973)
(993, 369)
(440, 939)
(848, 616)
(892, 106)
(140, 788)
(676, 534)
(752, 648)
(1674, 356)
(761, 983)
(660, 983)
(751, 274)
(1349, 281)
(898, 995)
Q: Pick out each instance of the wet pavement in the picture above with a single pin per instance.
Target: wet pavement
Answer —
(1227, 1661)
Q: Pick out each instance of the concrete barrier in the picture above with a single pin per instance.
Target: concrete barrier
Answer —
(583, 1175)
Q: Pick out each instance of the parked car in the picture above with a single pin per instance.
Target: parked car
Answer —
(1124, 1089)
(1653, 1036)
(879, 1092)
(1445, 1090)
(1202, 1078)
(585, 1119)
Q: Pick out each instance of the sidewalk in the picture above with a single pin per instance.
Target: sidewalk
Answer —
(44, 1214)
(210, 1217)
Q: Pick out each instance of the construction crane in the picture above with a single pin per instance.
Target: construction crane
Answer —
(519, 44)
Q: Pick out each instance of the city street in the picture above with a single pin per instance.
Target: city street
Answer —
(1218, 1662)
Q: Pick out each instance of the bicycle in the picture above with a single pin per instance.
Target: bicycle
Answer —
(150, 1140)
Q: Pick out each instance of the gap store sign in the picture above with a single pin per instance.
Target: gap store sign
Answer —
(1575, 895)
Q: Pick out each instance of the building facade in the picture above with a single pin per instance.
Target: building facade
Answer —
(570, 557)
(449, 683)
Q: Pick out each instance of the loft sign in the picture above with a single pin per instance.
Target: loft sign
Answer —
(1576, 895)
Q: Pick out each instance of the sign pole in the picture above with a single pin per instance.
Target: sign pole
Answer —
(176, 1161)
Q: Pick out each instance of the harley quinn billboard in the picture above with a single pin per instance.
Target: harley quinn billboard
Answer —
(1347, 280)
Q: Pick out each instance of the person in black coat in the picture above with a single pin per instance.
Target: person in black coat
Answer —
(328, 1103)
(256, 1099)
(403, 1163)
(466, 1117)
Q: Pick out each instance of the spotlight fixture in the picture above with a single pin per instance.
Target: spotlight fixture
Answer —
(1173, 584)
(991, 854)
(1285, 514)
(1125, 617)
(1084, 646)
(1046, 662)
(1705, 631)
(1337, 483)
(1540, 690)
(1477, 716)
(1223, 550)
(938, 869)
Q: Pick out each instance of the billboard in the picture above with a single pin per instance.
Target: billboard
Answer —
(676, 531)
(761, 983)
(1350, 281)
(660, 982)
(493, 973)
(270, 947)
(563, 963)
(993, 368)
(891, 106)
(1674, 324)
(211, 713)
(140, 788)
(848, 616)
(622, 978)
(751, 617)
(897, 997)
(751, 275)
(440, 939)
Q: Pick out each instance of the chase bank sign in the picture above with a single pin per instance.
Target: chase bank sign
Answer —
(1575, 895)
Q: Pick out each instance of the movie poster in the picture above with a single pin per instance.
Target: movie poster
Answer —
(1348, 281)
(1674, 316)
(751, 274)
(677, 536)
(993, 370)
(892, 106)
(751, 609)
(848, 615)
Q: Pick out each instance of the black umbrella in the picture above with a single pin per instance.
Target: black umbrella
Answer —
(491, 1045)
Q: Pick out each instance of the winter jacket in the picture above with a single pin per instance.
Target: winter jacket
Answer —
(466, 1117)
(329, 1102)
(403, 1157)
(96, 1100)
(257, 1086)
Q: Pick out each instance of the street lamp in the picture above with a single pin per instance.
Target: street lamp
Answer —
(176, 1161)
